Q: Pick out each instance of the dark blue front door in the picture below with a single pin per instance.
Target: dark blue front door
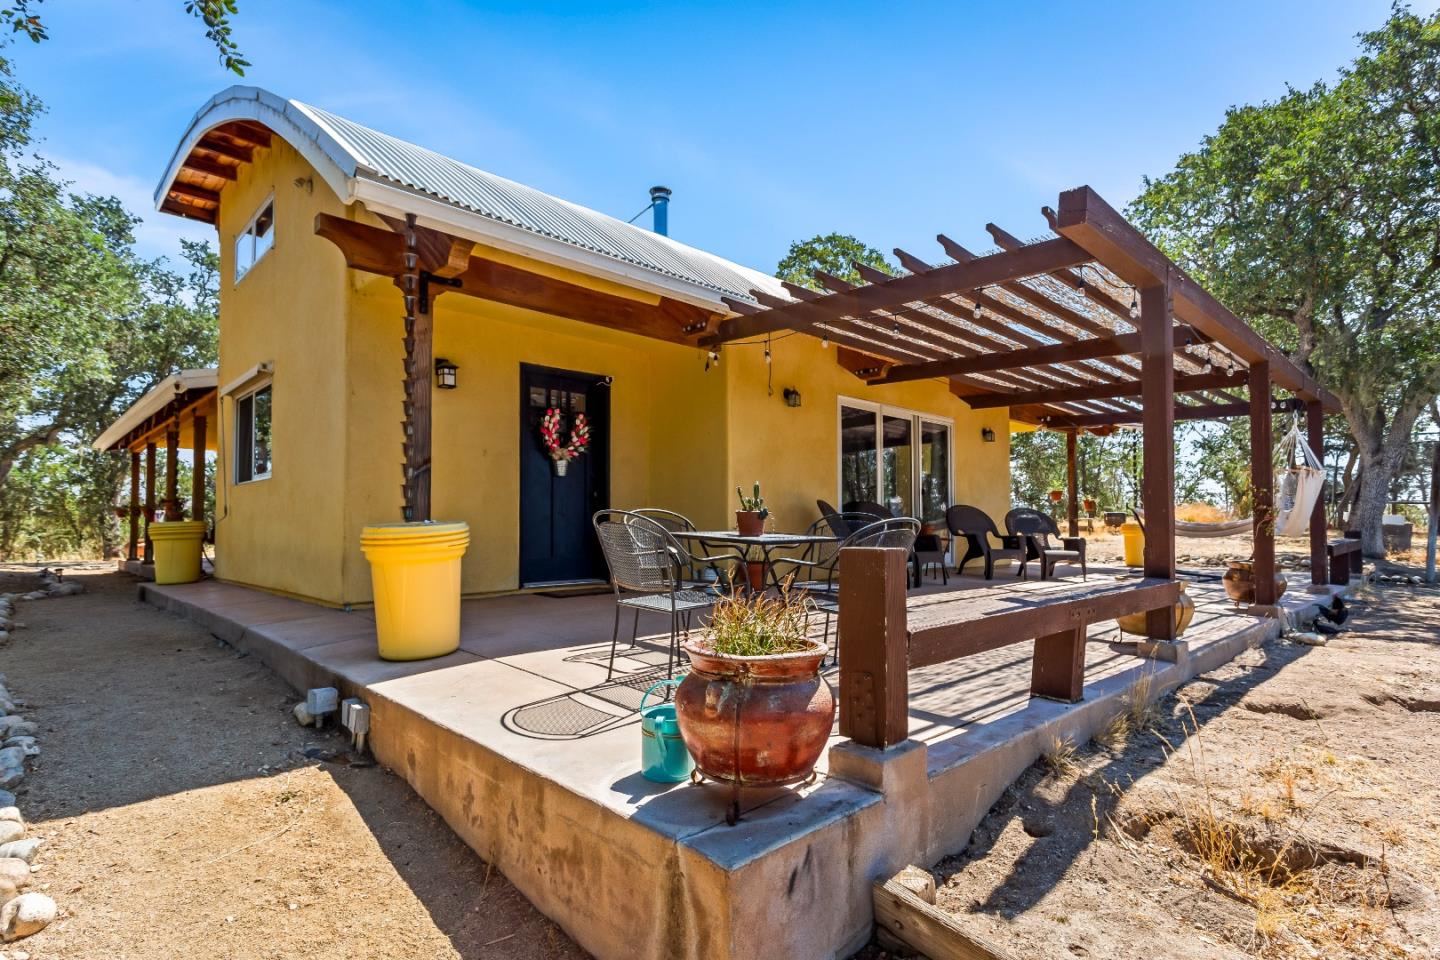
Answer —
(557, 542)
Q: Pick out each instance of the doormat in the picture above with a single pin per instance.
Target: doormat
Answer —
(588, 590)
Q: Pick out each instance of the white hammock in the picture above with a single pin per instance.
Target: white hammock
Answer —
(1300, 487)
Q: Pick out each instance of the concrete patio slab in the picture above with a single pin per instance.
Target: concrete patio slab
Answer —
(532, 756)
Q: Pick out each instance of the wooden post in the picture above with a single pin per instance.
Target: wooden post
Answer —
(1319, 532)
(197, 472)
(1072, 484)
(132, 549)
(1262, 482)
(1157, 492)
(874, 642)
(172, 471)
(149, 500)
(1057, 671)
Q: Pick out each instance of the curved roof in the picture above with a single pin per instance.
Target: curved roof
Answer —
(187, 384)
(394, 176)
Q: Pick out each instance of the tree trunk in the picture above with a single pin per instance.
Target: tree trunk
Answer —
(1381, 448)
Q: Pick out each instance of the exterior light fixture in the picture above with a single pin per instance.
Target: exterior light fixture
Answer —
(445, 374)
(977, 312)
(1134, 306)
(825, 340)
(792, 397)
(987, 434)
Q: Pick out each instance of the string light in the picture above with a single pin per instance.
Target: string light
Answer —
(767, 349)
(825, 341)
(977, 313)
(1134, 306)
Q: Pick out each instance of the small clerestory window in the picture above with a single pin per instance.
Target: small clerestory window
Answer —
(255, 240)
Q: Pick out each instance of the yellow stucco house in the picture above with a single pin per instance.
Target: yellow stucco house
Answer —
(556, 306)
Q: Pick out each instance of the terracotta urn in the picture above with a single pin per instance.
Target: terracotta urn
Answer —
(1184, 613)
(749, 523)
(1240, 582)
(755, 721)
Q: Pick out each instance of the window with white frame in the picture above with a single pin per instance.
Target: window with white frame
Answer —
(255, 240)
(897, 458)
(252, 435)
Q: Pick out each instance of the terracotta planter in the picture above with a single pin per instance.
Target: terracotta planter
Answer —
(755, 574)
(749, 523)
(1184, 613)
(1240, 582)
(1057, 495)
(755, 721)
(1089, 506)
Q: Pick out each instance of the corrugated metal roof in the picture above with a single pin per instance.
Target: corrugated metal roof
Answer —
(383, 157)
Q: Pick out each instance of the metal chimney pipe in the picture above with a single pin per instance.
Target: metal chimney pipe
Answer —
(660, 203)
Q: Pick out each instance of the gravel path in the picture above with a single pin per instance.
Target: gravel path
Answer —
(184, 818)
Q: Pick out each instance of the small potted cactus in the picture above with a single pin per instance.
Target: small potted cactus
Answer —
(750, 518)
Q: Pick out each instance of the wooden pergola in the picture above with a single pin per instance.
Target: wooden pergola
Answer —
(1069, 332)
(182, 420)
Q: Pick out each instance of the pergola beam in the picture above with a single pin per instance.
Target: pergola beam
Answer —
(984, 271)
(1103, 391)
(1110, 239)
(1088, 349)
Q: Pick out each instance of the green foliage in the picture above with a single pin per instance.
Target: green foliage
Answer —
(759, 625)
(754, 503)
(1317, 217)
(86, 327)
(1107, 468)
(836, 254)
(24, 18)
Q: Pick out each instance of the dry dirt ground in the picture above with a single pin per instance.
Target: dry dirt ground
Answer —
(185, 820)
(1286, 805)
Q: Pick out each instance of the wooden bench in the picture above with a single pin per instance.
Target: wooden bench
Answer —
(884, 634)
(1343, 554)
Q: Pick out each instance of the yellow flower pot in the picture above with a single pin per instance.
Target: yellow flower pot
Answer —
(1134, 543)
(415, 572)
(177, 550)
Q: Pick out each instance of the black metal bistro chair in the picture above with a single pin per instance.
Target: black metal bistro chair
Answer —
(1038, 528)
(821, 582)
(648, 569)
(977, 528)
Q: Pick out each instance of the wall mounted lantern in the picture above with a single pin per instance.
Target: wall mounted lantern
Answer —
(792, 397)
(445, 374)
(987, 434)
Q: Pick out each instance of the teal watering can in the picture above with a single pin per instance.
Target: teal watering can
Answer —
(663, 757)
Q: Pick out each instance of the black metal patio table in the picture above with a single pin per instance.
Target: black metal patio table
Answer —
(763, 542)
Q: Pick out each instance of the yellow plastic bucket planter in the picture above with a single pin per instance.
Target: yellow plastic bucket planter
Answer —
(177, 550)
(1134, 543)
(415, 572)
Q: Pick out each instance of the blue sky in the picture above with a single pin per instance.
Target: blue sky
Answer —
(771, 121)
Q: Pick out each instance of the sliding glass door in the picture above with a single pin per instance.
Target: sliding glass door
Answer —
(896, 458)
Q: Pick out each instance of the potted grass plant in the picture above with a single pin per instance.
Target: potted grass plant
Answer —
(754, 709)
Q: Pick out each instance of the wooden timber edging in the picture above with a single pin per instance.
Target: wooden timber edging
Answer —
(901, 914)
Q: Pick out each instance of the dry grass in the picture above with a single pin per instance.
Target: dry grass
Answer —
(758, 625)
(1059, 756)
(1200, 513)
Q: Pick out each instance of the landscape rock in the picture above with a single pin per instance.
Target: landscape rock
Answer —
(67, 589)
(303, 715)
(11, 812)
(4, 635)
(27, 914)
(15, 871)
(16, 726)
(11, 830)
(11, 776)
(21, 849)
(7, 798)
(35, 595)
(1310, 639)
(29, 745)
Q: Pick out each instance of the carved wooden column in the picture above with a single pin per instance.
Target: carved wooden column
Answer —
(149, 500)
(172, 471)
(1157, 492)
(197, 473)
(1262, 482)
(132, 549)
